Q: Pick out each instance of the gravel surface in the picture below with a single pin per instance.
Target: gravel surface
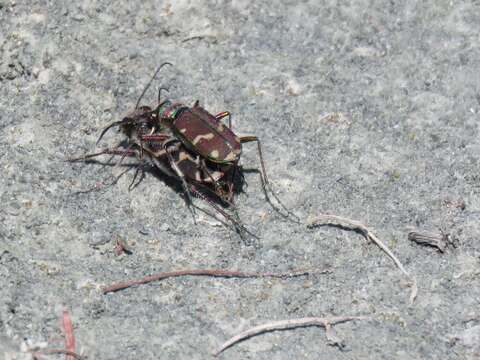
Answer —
(366, 110)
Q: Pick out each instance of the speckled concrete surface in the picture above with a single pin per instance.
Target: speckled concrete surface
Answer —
(366, 109)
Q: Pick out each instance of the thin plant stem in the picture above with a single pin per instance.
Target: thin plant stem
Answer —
(289, 324)
(202, 272)
(325, 219)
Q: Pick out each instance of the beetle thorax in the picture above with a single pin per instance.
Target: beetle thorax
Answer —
(169, 110)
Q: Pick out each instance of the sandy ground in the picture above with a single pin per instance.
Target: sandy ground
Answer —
(365, 109)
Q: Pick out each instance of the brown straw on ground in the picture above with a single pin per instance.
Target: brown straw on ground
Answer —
(327, 323)
(325, 219)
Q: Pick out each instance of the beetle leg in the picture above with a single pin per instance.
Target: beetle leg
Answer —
(224, 114)
(265, 183)
(181, 175)
(155, 137)
(203, 166)
(116, 151)
(245, 139)
(196, 103)
(228, 173)
(141, 150)
(123, 152)
(219, 189)
(238, 225)
(164, 169)
(231, 183)
(158, 153)
(128, 152)
(137, 171)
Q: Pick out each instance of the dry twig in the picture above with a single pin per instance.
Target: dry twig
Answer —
(69, 342)
(36, 354)
(204, 272)
(324, 219)
(69, 337)
(327, 323)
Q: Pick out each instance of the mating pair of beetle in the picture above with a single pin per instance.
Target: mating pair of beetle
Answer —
(188, 144)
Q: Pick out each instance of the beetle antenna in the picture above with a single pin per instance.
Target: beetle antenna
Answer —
(108, 128)
(157, 110)
(150, 82)
(160, 91)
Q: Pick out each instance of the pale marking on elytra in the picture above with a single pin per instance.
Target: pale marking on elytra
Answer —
(231, 156)
(208, 136)
(214, 154)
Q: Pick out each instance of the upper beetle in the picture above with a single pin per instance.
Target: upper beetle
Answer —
(201, 132)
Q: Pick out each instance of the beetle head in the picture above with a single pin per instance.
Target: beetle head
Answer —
(139, 122)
